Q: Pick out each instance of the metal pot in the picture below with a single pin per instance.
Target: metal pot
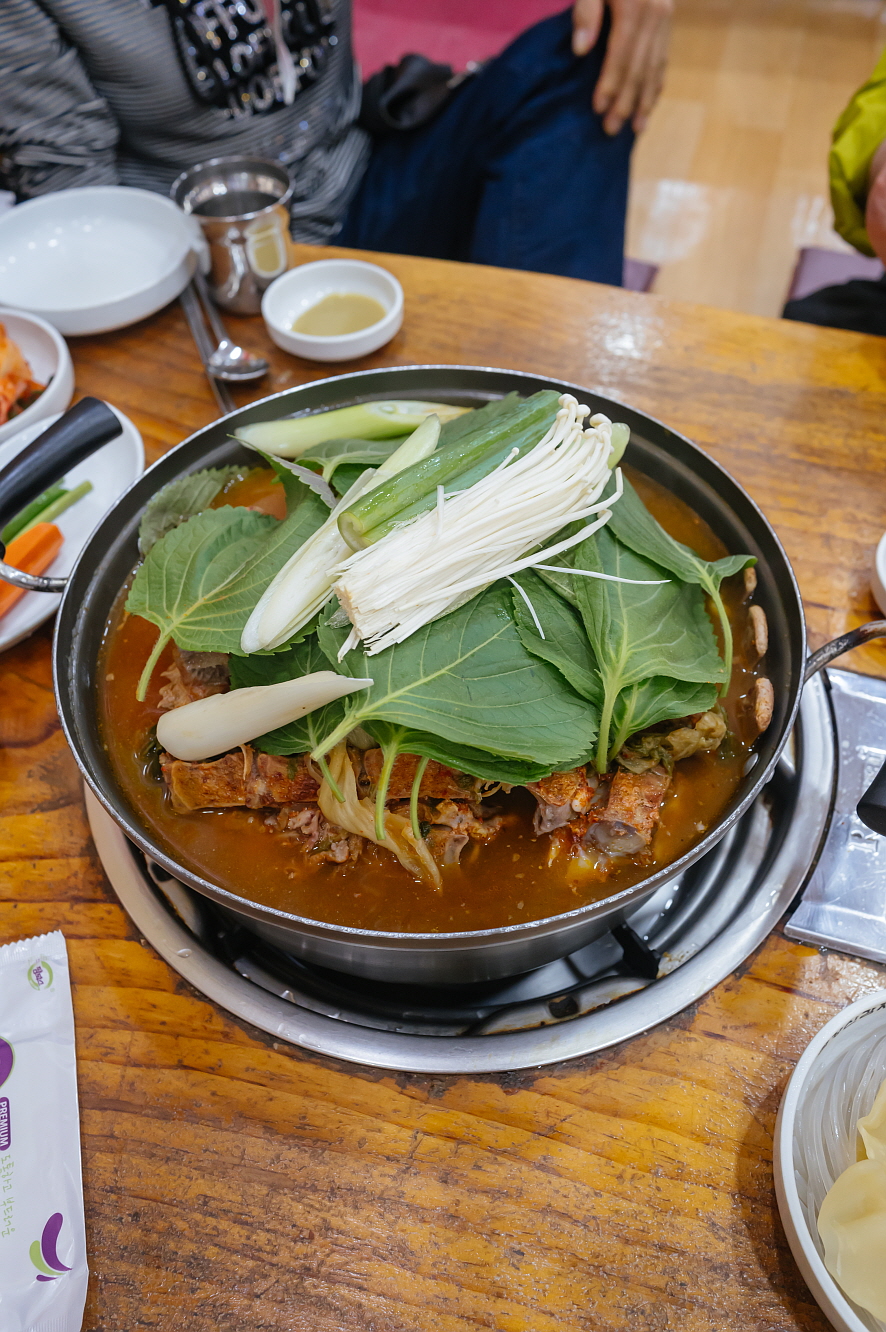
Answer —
(111, 552)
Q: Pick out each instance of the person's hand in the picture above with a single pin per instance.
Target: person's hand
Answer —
(633, 71)
(875, 213)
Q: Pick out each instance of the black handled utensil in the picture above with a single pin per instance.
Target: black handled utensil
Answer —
(74, 436)
(81, 431)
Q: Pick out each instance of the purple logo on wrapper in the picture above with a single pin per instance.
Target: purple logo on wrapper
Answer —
(7, 1059)
(44, 1251)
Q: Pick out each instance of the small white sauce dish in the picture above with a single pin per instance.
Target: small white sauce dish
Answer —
(833, 1085)
(291, 294)
(878, 574)
(46, 352)
(94, 259)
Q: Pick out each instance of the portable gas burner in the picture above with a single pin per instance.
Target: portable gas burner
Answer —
(680, 943)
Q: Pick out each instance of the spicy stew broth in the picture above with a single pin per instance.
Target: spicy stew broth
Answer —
(504, 883)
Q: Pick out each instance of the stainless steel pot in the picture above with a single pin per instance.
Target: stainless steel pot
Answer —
(659, 452)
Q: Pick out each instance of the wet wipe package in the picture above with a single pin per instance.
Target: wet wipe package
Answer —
(43, 1269)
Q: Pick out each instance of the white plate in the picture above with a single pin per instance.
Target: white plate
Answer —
(46, 352)
(878, 574)
(94, 259)
(815, 1139)
(111, 469)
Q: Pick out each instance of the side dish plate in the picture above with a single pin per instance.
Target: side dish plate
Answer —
(112, 470)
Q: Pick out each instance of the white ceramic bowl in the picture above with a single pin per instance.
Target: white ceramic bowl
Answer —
(46, 352)
(296, 291)
(94, 259)
(878, 574)
(833, 1085)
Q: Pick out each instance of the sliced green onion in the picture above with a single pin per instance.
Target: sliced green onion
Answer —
(516, 446)
(420, 445)
(419, 483)
(293, 436)
(58, 506)
(621, 435)
(21, 520)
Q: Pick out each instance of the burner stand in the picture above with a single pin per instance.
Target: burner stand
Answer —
(679, 944)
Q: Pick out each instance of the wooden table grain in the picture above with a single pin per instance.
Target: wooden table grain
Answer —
(238, 1185)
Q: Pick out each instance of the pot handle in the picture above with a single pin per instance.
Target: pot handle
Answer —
(837, 646)
(871, 808)
(73, 437)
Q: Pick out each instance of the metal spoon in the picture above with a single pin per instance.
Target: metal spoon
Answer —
(229, 360)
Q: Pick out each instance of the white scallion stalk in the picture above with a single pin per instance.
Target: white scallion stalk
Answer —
(216, 724)
(304, 584)
(292, 436)
(471, 538)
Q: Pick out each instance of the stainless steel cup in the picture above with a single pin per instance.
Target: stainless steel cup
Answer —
(241, 205)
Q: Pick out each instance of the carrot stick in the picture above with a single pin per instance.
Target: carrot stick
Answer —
(32, 552)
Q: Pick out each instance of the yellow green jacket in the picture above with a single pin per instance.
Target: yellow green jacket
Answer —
(857, 136)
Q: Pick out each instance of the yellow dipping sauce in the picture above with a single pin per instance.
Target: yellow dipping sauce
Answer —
(340, 312)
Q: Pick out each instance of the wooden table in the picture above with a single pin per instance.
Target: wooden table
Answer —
(237, 1185)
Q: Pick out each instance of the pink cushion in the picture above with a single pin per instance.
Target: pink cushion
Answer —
(817, 268)
(453, 32)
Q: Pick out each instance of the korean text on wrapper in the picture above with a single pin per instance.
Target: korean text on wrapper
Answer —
(43, 1271)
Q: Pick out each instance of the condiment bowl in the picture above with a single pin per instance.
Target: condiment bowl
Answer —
(296, 291)
(833, 1085)
(46, 352)
(878, 574)
(94, 259)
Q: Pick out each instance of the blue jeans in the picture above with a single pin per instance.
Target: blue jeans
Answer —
(516, 171)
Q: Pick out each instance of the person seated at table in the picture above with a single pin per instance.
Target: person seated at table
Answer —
(526, 166)
(858, 195)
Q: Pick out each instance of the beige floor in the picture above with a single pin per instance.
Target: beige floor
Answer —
(730, 178)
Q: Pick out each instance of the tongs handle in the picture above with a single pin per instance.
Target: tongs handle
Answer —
(74, 436)
(871, 809)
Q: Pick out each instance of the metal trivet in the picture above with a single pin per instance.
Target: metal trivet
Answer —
(844, 905)
(695, 931)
